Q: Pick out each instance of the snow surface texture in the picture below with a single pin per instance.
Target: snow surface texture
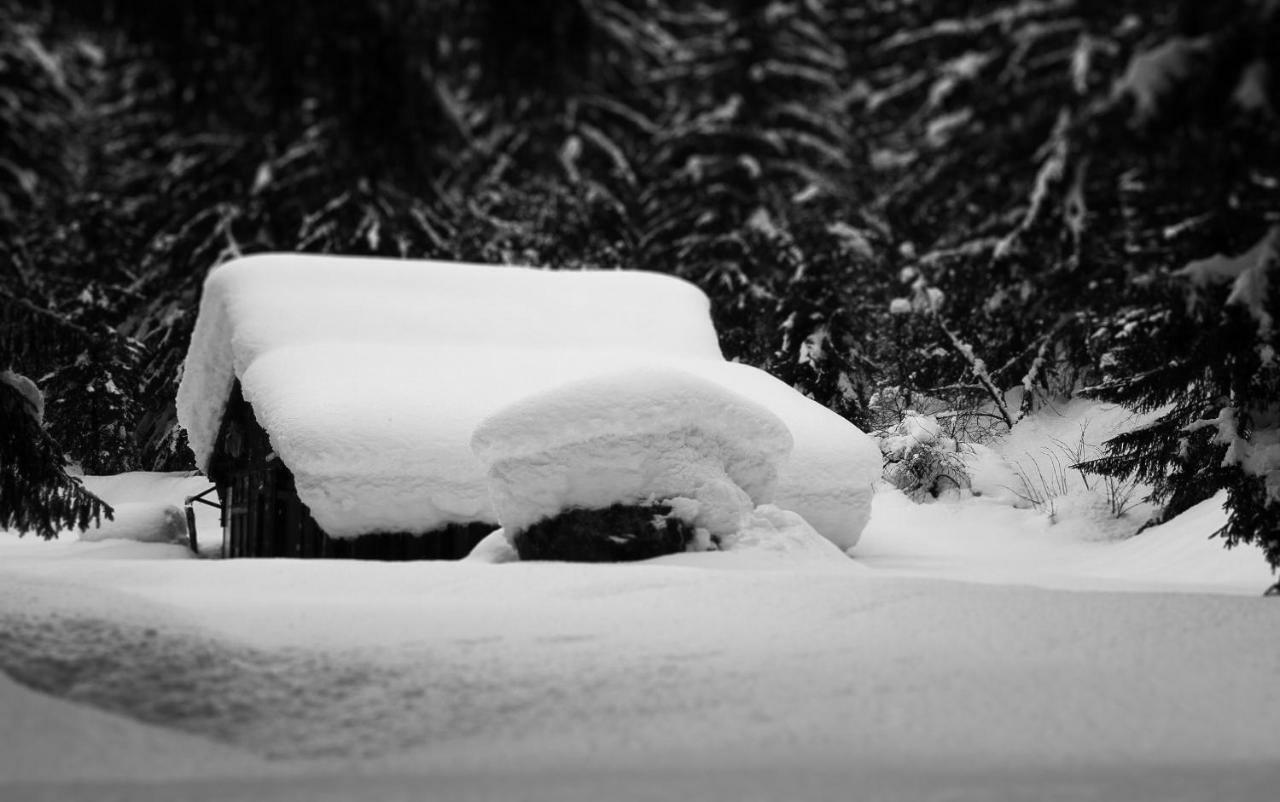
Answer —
(371, 375)
(628, 438)
(144, 522)
(779, 669)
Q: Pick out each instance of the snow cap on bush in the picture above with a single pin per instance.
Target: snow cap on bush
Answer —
(920, 460)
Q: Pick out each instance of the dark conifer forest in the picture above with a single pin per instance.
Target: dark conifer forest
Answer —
(980, 206)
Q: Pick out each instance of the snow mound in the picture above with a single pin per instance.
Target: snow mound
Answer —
(776, 533)
(992, 476)
(143, 522)
(370, 375)
(629, 437)
(493, 549)
(770, 539)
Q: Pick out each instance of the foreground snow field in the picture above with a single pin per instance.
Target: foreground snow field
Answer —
(968, 649)
(794, 672)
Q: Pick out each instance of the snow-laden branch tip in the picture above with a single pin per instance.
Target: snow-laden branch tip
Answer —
(32, 398)
(1248, 274)
(1154, 74)
(1257, 454)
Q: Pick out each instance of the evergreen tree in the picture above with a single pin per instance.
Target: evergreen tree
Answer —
(749, 176)
(970, 112)
(93, 400)
(36, 493)
(827, 315)
(1198, 345)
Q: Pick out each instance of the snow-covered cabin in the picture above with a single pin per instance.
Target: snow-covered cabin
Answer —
(333, 399)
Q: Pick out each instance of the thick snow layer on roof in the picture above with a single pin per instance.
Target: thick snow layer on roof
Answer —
(370, 376)
(624, 438)
(833, 466)
(262, 304)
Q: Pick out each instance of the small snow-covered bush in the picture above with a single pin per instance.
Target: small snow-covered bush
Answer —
(963, 420)
(921, 461)
(619, 533)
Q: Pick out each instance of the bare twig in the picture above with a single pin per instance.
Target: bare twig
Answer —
(979, 369)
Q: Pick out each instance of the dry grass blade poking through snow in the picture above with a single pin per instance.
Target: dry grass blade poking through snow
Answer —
(1046, 480)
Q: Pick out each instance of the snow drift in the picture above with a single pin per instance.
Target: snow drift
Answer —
(370, 375)
(144, 522)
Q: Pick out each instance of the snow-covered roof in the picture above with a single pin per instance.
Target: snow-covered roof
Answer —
(370, 376)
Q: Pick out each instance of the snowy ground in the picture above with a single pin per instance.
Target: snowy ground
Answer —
(968, 651)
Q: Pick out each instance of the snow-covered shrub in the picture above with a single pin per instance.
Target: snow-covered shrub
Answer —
(618, 533)
(921, 461)
(968, 421)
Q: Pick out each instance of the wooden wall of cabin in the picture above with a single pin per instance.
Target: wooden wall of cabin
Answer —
(264, 517)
